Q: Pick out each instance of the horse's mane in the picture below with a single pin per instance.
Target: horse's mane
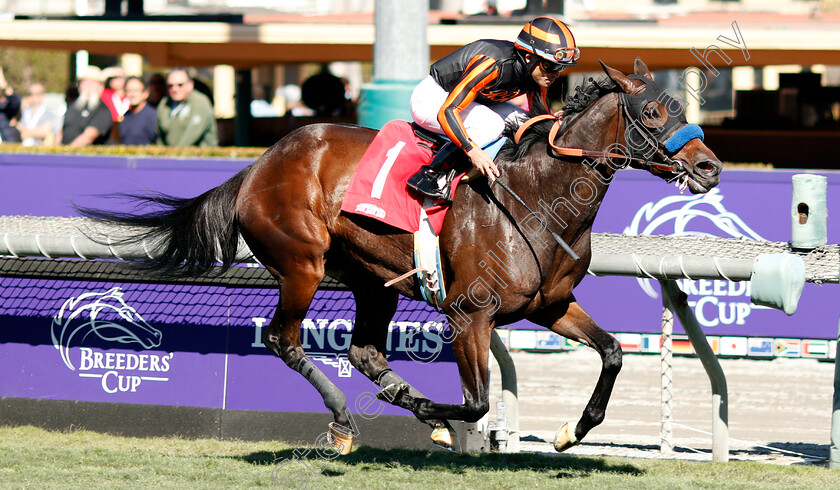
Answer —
(584, 96)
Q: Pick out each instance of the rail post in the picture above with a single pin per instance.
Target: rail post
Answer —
(834, 458)
(666, 432)
(509, 392)
(676, 302)
(809, 211)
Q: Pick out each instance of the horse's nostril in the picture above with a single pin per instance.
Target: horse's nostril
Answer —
(707, 167)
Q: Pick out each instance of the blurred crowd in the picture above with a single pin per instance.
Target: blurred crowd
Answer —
(104, 106)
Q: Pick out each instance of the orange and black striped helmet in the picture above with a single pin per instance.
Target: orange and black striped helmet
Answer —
(549, 39)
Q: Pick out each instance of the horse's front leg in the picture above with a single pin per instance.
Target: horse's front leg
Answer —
(571, 321)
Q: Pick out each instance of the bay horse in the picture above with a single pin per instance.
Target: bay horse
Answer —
(499, 262)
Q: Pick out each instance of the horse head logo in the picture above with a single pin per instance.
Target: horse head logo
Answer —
(105, 315)
(698, 215)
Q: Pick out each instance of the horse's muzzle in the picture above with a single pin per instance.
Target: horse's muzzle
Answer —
(704, 176)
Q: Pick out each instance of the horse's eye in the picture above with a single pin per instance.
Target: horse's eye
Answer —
(652, 116)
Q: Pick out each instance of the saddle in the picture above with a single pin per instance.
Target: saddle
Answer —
(428, 139)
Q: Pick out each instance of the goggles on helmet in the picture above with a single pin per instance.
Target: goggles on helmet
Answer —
(567, 55)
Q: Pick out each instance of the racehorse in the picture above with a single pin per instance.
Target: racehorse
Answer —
(499, 261)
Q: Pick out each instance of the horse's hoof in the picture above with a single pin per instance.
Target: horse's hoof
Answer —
(444, 438)
(340, 438)
(565, 437)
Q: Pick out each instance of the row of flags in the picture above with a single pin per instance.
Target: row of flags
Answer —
(725, 346)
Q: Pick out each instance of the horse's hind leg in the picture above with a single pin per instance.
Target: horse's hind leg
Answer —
(375, 306)
(283, 338)
(295, 256)
(573, 322)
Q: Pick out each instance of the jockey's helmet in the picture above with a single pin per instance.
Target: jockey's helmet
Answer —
(549, 39)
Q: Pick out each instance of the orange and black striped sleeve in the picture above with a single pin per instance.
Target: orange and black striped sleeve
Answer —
(480, 71)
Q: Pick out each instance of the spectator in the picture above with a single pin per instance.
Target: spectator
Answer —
(9, 109)
(278, 102)
(139, 122)
(259, 106)
(294, 107)
(37, 124)
(157, 89)
(185, 117)
(114, 94)
(200, 86)
(324, 93)
(87, 120)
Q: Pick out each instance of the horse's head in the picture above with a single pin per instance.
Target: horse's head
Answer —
(657, 132)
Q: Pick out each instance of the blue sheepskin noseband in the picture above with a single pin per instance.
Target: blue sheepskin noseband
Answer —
(682, 136)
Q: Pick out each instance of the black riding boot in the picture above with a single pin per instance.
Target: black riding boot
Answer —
(432, 180)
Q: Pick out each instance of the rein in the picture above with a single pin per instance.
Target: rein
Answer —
(672, 166)
(680, 137)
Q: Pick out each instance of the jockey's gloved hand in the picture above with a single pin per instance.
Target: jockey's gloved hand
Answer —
(483, 163)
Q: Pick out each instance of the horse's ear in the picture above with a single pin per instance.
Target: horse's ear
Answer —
(641, 69)
(621, 79)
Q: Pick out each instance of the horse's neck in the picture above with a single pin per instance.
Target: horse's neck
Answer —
(597, 128)
(578, 185)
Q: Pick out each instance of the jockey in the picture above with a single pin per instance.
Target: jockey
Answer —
(466, 94)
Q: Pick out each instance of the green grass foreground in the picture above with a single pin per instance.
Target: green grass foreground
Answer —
(36, 458)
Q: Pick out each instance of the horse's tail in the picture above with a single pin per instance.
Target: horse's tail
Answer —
(191, 236)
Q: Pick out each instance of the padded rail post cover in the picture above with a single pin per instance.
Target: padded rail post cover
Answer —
(777, 281)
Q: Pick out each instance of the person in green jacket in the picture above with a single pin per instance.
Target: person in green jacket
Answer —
(185, 117)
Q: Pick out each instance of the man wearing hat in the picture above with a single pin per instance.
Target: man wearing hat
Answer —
(87, 120)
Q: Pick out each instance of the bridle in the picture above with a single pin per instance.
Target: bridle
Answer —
(657, 144)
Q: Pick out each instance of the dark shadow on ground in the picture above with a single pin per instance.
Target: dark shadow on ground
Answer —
(810, 454)
(814, 450)
(455, 463)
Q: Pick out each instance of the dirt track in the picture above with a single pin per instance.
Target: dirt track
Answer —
(780, 403)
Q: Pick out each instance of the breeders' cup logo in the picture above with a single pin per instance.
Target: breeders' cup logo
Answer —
(106, 316)
(720, 302)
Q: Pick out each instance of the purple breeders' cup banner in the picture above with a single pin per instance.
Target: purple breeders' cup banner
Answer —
(194, 346)
(48, 185)
(200, 345)
(749, 205)
(106, 342)
(325, 336)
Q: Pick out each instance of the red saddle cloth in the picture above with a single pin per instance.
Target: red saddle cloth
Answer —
(378, 187)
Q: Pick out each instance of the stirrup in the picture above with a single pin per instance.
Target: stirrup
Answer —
(433, 180)
(427, 182)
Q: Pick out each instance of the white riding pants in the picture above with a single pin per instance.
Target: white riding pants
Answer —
(484, 123)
